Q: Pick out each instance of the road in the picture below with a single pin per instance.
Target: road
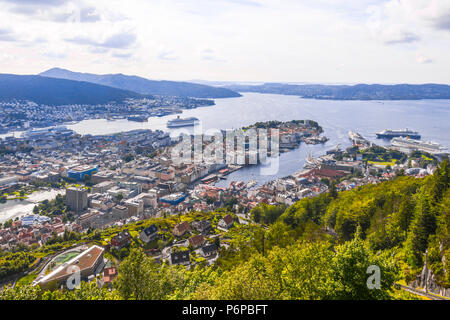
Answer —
(422, 293)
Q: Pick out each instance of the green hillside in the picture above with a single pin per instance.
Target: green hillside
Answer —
(318, 248)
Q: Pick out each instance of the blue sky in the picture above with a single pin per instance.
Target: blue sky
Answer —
(317, 41)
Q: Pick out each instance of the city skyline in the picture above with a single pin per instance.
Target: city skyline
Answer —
(236, 40)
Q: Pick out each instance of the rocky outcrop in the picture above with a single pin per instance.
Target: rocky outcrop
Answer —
(427, 281)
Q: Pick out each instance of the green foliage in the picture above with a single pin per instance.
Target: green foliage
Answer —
(12, 263)
(318, 248)
(423, 225)
(349, 274)
(267, 214)
(304, 271)
(140, 278)
(26, 292)
(306, 209)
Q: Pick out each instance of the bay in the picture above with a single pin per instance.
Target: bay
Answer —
(430, 117)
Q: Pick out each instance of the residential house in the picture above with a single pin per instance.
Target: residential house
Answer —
(208, 251)
(181, 228)
(226, 222)
(202, 226)
(121, 240)
(196, 241)
(109, 274)
(180, 257)
(149, 234)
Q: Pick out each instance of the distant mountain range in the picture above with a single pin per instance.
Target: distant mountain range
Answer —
(144, 86)
(51, 91)
(352, 92)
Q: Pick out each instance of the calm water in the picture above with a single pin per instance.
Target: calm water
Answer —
(16, 208)
(430, 117)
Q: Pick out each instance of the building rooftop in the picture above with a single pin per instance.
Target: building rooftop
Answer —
(84, 260)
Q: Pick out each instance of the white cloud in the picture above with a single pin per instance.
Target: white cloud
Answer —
(422, 59)
(405, 21)
(167, 55)
(242, 40)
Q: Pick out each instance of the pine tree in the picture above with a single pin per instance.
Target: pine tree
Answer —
(422, 226)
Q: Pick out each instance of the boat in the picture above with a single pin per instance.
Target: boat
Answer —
(408, 145)
(251, 184)
(316, 140)
(358, 139)
(180, 122)
(335, 150)
(311, 162)
(389, 134)
(355, 136)
(137, 118)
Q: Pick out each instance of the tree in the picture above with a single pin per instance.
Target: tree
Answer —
(217, 242)
(333, 190)
(325, 181)
(350, 272)
(422, 226)
(7, 224)
(26, 292)
(119, 197)
(87, 179)
(134, 276)
(441, 180)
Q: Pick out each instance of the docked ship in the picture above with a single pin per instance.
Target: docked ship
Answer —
(389, 134)
(408, 145)
(251, 184)
(316, 140)
(335, 150)
(358, 139)
(180, 122)
(311, 162)
(138, 118)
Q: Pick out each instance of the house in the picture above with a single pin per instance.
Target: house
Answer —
(109, 274)
(181, 228)
(210, 250)
(196, 241)
(202, 226)
(180, 257)
(149, 234)
(121, 240)
(226, 222)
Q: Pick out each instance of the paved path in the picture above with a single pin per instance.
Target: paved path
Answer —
(422, 293)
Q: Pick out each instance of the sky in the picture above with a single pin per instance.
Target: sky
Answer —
(316, 41)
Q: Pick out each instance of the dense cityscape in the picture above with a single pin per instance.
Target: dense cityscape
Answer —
(108, 182)
(224, 158)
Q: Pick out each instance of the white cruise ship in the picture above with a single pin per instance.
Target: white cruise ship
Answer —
(179, 122)
(389, 134)
(407, 145)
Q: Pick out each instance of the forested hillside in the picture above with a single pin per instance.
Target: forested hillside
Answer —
(144, 86)
(352, 92)
(51, 91)
(318, 248)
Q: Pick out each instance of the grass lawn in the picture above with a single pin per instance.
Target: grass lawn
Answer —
(28, 279)
(65, 257)
(383, 163)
